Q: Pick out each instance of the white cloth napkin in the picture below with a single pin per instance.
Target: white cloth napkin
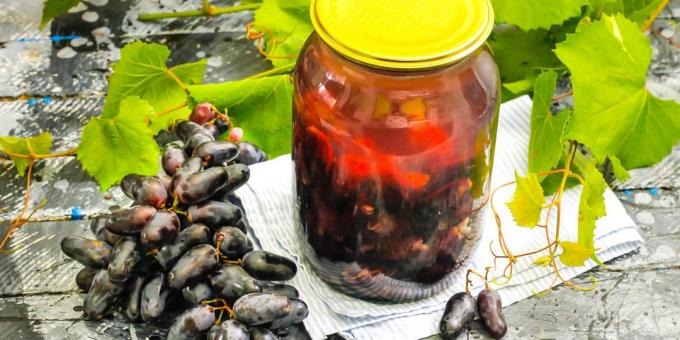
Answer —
(268, 203)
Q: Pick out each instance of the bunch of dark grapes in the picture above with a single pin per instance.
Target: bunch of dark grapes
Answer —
(180, 256)
(462, 308)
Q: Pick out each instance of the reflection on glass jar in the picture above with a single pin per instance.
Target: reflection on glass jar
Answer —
(392, 168)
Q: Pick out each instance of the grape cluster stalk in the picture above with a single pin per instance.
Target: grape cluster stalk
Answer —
(180, 256)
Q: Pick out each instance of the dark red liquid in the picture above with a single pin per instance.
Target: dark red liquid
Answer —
(391, 169)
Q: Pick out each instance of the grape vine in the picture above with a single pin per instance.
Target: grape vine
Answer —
(599, 46)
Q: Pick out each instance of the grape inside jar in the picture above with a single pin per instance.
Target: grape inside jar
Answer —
(394, 130)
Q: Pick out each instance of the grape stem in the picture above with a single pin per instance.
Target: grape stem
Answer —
(33, 156)
(276, 70)
(552, 245)
(19, 221)
(654, 15)
(206, 10)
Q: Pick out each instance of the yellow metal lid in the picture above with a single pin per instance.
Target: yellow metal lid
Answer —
(403, 34)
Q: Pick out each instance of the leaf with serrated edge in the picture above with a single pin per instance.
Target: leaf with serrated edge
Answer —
(521, 55)
(120, 144)
(40, 144)
(532, 14)
(636, 10)
(619, 171)
(262, 107)
(527, 202)
(55, 8)
(289, 23)
(575, 254)
(614, 114)
(142, 71)
(545, 143)
(591, 204)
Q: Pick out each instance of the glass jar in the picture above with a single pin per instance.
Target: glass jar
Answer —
(393, 144)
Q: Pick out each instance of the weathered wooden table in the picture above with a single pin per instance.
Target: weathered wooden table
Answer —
(52, 81)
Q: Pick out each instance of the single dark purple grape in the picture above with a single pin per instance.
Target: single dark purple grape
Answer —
(108, 237)
(125, 256)
(130, 221)
(129, 184)
(249, 153)
(215, 152)
(237, 175)
(297, 312)
(161, 229)
(214, 131)
(200, 186)
(231, 282)
(234, 242)
(166, 180)
(145, 190)
(459, 311)
(102, 295)
(132, 307)
(279, 289)
(196, 141)
(490, 309)
(96, 224)
(98, 227)
(197, 292)
(84, 278)
(229, 330)
(190, 167)
(269, 310)
(154, 298)
(189, 237)
(192, 323)
(186, 129)
(90, 253)
(215, 214)
(221, 125)
(259, 333)
(294, 332)
(196, 262)
(202, 113)
(151, 191)
(264, 265)
(173, 158)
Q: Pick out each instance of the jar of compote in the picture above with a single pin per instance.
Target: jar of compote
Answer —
(395, 114)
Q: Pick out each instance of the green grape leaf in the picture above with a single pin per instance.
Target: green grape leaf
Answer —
(614, 114)
(527, 202)
(545, 143)
(533, 14)
(120, 144)
(55, 8)
(636, 10)
(591, 205)
(142, 71)
(542, 261)
(40, 144)
(619, 171)
(261, 107)
(575, 254)
(521, 56)
(640, 10)
(286, 25)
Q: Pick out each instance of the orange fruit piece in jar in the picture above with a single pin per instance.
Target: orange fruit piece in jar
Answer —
(414, 108)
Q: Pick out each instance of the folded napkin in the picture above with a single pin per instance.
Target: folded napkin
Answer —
(268, 202)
